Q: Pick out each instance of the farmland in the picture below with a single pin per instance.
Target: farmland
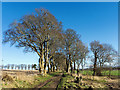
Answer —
(104, 72)
(32, 79)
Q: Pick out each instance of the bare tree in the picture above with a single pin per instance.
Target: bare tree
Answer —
(103, 53)
(12, 66)
(70, 38)
(8, 66)
(28, 66)
(80, 53)
(34, 66)
(60, 61)
(30, 32)
(25, 66)
(95, 47)
(22, 66)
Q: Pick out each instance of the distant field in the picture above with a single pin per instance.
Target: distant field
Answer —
(104, 72)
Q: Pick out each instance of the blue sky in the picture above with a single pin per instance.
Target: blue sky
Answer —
(60, 0)
(93, 21)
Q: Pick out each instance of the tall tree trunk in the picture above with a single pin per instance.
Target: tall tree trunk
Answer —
(68, 66)
(100, 69)
(47, 61)
(49, 65)
(74, 65)
(71, 66)
(95, 64)
(39, 65)
(82, 64)
(53, 64)
(70, 61)
(42, 62)
(45, 57)
(48, 68)
(78, 69)
(56, 68)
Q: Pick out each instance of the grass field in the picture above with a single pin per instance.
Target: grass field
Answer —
(104, 72)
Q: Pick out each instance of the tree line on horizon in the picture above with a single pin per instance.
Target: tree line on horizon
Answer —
(57, 49)
(19, 67)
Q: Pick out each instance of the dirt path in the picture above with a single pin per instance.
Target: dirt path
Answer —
(51, 83)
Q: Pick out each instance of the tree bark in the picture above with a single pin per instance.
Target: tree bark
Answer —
(68, 66)
(41, 61)
(45, 57)
(71, 66)
(74, 67)
(48, 68)
(46, 54)
(95, 64)
(39, 65)
(82, 63)
(56, 68)
(53, 65)
(78, 70)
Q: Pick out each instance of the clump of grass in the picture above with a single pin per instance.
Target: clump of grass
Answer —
(6, 78)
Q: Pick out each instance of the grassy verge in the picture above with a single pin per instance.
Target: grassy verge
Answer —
(28, 81)
(69, 82)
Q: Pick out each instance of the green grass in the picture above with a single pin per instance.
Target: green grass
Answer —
(38, 79)
(44, 78)
(68, 82)
(54, 73)
(64, 81)
(113, 72)
(104, 72)
(86, 72)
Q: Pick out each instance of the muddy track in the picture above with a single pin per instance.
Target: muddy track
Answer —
(55, 81)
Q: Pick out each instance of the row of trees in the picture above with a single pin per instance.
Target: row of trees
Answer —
(19, 67)
(56, 48)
